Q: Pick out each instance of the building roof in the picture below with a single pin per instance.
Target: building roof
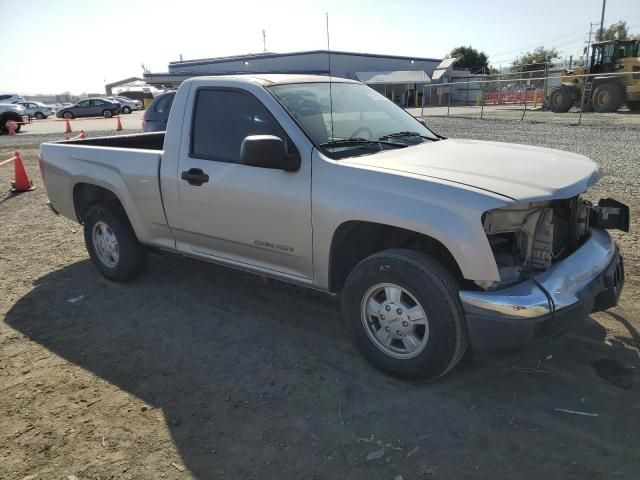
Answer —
(397, 76)
(256, 56)
(279, 79)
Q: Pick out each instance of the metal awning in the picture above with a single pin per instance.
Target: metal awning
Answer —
(397, 76)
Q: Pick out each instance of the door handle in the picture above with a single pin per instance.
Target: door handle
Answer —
(195, 176)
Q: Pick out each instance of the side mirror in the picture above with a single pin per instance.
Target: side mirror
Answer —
(268, 151)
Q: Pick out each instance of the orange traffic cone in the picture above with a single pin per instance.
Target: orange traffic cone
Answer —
(21, 182)
(11, 127)
(68, 128)
(118, 125)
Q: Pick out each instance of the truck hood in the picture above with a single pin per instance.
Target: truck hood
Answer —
(519, 172)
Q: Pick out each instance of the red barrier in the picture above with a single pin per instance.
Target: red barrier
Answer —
(514, 97)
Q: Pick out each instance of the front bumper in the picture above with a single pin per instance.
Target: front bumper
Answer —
(591, 278)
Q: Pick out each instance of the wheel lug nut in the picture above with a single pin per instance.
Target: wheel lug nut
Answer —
(399, 311)
(405, 324)
(399, 332)
(381, 317)
(387, 308)
(388, 329)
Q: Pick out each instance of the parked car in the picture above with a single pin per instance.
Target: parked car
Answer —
(91, 107)
(431, 243)
(156, 115)
(126, 104)
(12, 112)
(37, 109)
(10, 98)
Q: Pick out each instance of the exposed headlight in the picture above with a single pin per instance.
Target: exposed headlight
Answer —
(531, 237)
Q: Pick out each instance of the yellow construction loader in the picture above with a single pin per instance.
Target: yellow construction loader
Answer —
(611, 79)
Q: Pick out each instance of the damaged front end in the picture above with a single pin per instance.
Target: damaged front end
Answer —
(528, 239)
(557, 264)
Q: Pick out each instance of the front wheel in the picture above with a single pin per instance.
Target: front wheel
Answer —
(67, 115)
(112, 244)
(107, 114)
(405, 314)
(608, 97)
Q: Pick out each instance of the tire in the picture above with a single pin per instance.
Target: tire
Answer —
(560, 100)
(607, 97)
(67, 115)
(40, 116)
(107, 114)
(104, 224)
(424, 283)
(126, 110)
(6, 119)
(634, 106)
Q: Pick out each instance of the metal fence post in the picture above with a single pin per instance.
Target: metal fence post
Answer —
(482, 86)
(582, 98)
(449, 99)
(424, 95)
(526, 94)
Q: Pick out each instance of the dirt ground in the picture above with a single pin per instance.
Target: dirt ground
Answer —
(197, 371)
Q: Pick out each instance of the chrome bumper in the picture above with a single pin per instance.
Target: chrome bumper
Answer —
(591, 277)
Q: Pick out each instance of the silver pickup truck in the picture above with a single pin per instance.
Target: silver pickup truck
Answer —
(432, 243)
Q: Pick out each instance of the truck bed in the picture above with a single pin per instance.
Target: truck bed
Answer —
(126, 165)
(141, 141)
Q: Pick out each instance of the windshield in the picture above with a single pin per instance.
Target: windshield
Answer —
(361, 122)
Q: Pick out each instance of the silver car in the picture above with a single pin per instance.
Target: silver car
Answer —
(37, 109)
(127, 105)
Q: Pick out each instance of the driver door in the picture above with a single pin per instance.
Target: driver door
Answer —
(255, 217)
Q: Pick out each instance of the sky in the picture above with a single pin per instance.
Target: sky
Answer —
(51, 46)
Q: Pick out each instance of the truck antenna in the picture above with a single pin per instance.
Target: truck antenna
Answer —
(329, 63)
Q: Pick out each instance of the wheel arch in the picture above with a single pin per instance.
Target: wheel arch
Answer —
(85, 195)
(355, 240)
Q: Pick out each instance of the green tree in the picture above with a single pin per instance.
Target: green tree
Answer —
(468, 57)
(536, 58)
(616, 31)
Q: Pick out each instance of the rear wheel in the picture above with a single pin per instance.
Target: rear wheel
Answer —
(112, 244)
(126, 109)
(405, 314)
(608, 97)
(107, 114)
(40, 116)
(560, 100)
(634, 106)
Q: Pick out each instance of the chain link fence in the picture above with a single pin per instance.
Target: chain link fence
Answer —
(538, 96)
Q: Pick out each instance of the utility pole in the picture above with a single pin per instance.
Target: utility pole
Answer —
(587, 59)
(604, 4)
(264, 41)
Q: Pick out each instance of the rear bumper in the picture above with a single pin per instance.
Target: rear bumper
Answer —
(589, 279)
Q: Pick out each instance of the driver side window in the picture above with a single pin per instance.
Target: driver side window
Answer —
(222, 120)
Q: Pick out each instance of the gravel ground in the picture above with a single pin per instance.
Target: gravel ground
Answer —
(197, 371)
